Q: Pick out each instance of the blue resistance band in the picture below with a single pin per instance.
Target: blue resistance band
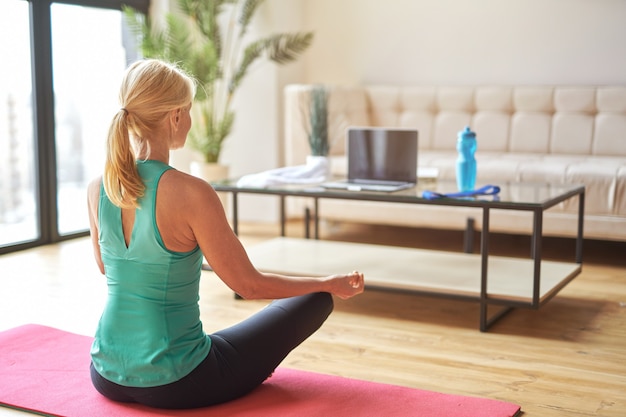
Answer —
(486, 190)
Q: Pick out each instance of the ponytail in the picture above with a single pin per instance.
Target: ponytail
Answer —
(122, 182)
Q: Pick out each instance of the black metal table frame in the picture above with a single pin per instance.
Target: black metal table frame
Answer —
(536, 238)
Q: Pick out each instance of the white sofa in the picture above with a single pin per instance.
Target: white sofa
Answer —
(556, 134)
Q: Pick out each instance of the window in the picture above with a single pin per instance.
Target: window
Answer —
(58, 93)
(18, 215)
(87, 71)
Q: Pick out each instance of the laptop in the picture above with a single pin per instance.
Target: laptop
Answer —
(379, 159)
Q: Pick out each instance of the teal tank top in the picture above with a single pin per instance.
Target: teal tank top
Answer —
(150, 332)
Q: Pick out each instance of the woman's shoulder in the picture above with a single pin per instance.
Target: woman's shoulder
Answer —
(183, 186)
(173, 178)
(93, 195)
(95, 182)
(93, 188)
(184, 196)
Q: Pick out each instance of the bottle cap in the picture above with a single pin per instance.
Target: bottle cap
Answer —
(467, 133)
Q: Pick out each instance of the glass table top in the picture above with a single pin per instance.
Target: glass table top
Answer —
(511, 195)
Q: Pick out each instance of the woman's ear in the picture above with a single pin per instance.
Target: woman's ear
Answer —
(175, 117)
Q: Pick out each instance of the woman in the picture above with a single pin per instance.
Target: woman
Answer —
(150, 227)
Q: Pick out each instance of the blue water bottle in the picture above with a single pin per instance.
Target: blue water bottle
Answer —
(466, 162)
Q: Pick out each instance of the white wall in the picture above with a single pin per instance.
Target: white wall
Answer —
(402, 42)
(467, 41)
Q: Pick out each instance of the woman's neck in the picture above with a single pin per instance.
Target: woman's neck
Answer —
(154, 157)
(146, 149)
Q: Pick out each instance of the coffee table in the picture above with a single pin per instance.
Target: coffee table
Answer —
(504, 282)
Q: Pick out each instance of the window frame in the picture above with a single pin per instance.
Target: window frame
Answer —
(43, 116)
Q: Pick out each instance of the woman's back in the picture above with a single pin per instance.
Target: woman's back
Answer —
(151, 320)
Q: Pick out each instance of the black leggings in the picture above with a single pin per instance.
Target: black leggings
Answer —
(240, 359)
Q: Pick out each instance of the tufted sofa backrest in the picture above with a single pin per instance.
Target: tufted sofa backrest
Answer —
(582, 120)
(561, 120)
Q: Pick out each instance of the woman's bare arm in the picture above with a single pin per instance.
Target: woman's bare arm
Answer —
(93, 196)
(208, 226)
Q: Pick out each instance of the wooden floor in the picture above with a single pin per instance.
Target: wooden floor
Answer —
(566, 359)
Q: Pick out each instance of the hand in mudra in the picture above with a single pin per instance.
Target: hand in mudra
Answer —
(348, 285)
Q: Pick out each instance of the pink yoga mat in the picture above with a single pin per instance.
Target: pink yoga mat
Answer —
(46, 370)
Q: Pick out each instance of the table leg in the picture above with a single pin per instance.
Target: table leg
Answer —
(581, 222)
(484, 258)
(316, 219)
(536, 254)
(235, 213)
(282, 215)
(491, 320)
(236, 227)
(468, 238)
(307, 223)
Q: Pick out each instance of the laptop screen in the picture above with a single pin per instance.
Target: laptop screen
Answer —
(382, 154)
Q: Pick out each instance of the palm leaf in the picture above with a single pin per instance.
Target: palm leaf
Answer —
(250, 54)
(285, 48)
(151, 42)
(206, 70)
(179, 45)
(282, 49)
(247, 11)
(205, 127)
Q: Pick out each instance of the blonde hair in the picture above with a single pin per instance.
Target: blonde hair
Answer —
(150, 90)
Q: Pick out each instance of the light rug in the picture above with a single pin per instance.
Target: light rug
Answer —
(46, 371)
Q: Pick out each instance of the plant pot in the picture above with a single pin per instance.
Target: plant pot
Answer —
(208, 171)
(319, 164)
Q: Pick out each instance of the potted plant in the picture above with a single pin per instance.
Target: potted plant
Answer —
(316, 117)
(216, 56)
(318, 121)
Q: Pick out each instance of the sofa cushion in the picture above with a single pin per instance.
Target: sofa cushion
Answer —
(533, 99)
(530, 132)
(384, 105)
(498, 99)
(610, 123)
(494, 127)
(577, 100)
(418, 108)
(620, 192)
(459, 99)
(609, 136)
(611, 99)
(572, 133)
